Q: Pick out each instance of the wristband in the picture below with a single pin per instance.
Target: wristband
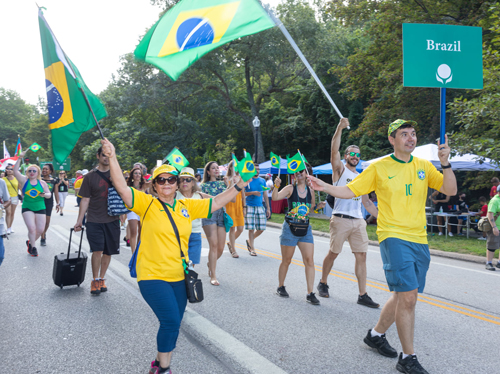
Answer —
(446, 167)
(237, 188)
(276, 186)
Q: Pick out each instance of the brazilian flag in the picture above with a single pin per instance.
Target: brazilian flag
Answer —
(275, 160)
(235, 161)
(192, 28)
(177, 159)
(35, 147)
(246, 168)
(295, 164)
(69, 113)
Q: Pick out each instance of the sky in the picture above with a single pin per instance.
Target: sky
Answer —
(93, 34)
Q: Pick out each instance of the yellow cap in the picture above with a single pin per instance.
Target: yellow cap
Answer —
(165, 169)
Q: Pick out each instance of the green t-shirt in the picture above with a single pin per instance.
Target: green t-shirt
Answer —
(494, 207)
(33, 197)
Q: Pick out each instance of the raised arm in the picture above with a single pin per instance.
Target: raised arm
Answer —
(335, 158)
(117, 177)
(284, 193)
(20, 178)
(449, 186)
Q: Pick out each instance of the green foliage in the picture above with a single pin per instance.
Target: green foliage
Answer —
(15, 118)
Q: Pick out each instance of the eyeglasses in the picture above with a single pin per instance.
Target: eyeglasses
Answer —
(8, 169)
(352, 154)
(161, 181)
(186, 180)
(32, 171)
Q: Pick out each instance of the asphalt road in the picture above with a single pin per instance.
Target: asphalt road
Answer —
(241, 326)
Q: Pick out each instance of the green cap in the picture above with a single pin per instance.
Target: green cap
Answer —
(397, 124)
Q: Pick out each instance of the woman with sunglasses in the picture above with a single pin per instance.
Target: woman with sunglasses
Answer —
(47, 171)
(300, 202)
(35, 192)
(135, 180)
(13, 188)
(235, 211)
(214, 227)
(160, 271)
(62, 188)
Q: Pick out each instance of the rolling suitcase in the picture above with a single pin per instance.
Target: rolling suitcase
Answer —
(69, 269)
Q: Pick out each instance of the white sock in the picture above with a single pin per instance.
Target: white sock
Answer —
(375, 333)
(405, 355)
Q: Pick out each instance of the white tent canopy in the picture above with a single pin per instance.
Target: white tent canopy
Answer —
(467, 162)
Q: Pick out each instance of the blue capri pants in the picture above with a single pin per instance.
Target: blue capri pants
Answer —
(168, 301)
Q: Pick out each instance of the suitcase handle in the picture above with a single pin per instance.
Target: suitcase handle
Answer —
(69, 245)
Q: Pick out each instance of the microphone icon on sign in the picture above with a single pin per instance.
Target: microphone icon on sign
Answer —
(444, 74)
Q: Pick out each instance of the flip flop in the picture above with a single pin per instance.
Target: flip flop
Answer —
(250, 249)
(214, 282)
(232, 251)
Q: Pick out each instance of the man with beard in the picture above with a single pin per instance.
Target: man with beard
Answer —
(347, 221)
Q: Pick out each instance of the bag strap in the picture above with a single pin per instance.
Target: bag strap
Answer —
(340, 176)
(101, 174)
(12, 184)
(175, 230)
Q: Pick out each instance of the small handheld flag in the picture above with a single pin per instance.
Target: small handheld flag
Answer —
(35, 147)
(295, 164)
(275, 162)
(304, 160)
(235, 161)
(177, 159)
(19, 148)
(246, 168)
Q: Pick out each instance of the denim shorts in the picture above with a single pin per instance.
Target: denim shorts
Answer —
(288, 239)
(405, 264)
(194, 249)
(217, 219)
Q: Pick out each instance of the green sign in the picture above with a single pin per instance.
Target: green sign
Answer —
(65, 165)
(442, 56)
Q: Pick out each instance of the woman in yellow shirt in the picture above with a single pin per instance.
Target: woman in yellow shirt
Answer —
(13, 187)
(160, 271)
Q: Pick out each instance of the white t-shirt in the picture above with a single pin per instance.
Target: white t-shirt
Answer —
(196, 224)
(350, 207)
(269, 183)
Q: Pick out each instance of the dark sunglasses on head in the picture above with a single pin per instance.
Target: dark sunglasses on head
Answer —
(187, 180)
(352, 154)
(161, 181)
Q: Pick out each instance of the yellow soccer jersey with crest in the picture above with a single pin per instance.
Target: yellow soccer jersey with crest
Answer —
(401, 190)
(159, 254)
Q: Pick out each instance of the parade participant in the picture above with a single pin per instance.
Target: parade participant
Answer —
(256, 215)
(300, 201)
(62, 184)
(347, 221)
(401, 182)
(35, 192)
(188, 189)
(214, 227)
(13, 188)
(4, 203)
(493, 235)
(103, 230)
(135, 180)
(47, 171)
(236, 211)
(160, 272)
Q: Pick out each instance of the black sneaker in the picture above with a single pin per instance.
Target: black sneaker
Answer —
(282, 292)
(42, 242)
(29, 246)
(381, 344)
(367, 301)
(311, 298)
(489, 266)
(34, 252)
(323, 289)
(498, 265)
(410, 365)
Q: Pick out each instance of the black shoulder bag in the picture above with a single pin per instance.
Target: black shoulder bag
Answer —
(194, 287)
(331, 199)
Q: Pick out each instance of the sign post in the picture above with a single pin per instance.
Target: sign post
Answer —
(65, 165)
(442, 56)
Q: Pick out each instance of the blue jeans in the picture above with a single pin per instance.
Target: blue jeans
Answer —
(168, 301)
(2, 250)
(194, 249)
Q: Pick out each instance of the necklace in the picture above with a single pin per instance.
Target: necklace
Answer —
(301, 192)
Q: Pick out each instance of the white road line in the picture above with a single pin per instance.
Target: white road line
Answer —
(235, 349)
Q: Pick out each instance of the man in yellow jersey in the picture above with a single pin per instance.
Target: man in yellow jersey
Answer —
(401, 183)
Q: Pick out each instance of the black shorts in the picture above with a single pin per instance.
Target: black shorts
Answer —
(49, 205)
(104, 237)
(34, 211)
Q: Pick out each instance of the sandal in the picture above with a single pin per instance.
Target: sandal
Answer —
(232, 251)
(250, 249)
(214, 282)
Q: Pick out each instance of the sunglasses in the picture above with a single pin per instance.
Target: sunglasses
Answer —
(300, 172)
(352, 154)
(186, 180)
(32, 171)
(8, 169)
(161, 181)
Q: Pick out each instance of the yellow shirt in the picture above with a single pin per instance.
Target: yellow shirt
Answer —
(78, 185)
(12, 186)
(159, 254)
(401, 190)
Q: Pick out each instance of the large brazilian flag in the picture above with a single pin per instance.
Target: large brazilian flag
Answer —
(69, 113)
(193, 28)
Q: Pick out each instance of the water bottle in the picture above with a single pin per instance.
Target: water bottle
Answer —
(190, 265)
(440, 211)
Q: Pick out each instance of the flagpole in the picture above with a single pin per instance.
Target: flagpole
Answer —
(285, 32)
(304, 161)
(77, 81)
(279, 167)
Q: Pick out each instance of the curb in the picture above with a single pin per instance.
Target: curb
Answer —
(434, 252)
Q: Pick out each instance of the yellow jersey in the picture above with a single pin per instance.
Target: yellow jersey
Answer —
(401, 190)
(78, 185)
(12, 186)
(159, 254)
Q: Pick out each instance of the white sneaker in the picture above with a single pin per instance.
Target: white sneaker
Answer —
(8, 231)
(481, 238)
(11, 230)
(440, 234)
(450, 234)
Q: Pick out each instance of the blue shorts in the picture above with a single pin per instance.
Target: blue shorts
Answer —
(194, 250)
(217, 219)
(405, 264)
(288, 239)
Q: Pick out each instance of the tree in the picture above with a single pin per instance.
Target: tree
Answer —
(15, 117)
